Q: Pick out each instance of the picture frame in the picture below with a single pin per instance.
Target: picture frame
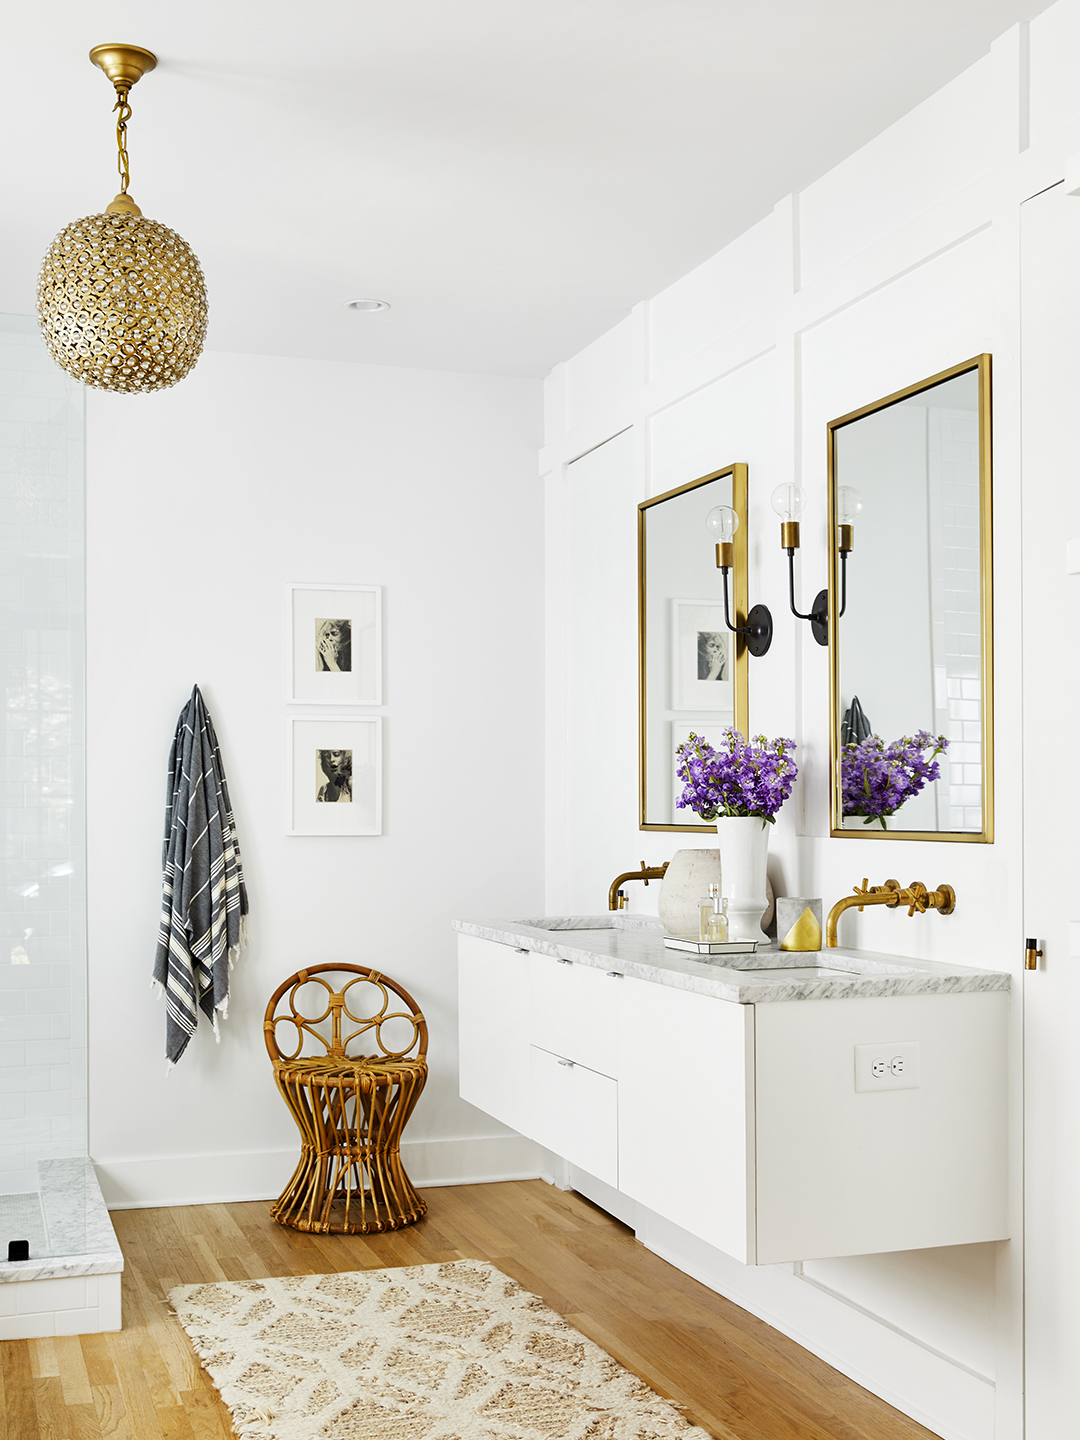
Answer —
(335, 775)
(334, 644)
(701, 643)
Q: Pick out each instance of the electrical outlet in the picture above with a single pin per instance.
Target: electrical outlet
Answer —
(893, 1065)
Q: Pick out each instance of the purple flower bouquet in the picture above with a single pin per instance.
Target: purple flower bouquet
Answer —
(743, 777)
(876, 779)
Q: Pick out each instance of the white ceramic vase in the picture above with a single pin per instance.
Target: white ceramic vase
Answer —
(743, 842)
(685, 884)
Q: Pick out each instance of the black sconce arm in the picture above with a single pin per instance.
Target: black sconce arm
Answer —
(758, 630)
(819, 615)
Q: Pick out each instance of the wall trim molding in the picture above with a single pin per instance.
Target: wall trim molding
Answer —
(212, 1179)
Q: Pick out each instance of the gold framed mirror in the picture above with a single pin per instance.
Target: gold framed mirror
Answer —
(911, 612)
(692, 669)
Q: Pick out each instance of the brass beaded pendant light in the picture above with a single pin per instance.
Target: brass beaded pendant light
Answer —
(121, 299)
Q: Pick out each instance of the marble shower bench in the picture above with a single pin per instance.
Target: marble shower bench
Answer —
(71, 1283)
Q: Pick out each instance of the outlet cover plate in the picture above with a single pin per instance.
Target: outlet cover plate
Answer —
(891, 1065)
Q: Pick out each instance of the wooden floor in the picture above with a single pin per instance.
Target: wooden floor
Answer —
(737, 1377)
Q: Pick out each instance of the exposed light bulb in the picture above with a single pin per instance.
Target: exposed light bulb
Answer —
(848, 504)
(721, 523)
(788, 501)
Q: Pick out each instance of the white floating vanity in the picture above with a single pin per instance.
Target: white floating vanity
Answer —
(847, 1105)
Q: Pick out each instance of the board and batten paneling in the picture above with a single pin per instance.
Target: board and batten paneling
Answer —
(725, 292)
(902, 260)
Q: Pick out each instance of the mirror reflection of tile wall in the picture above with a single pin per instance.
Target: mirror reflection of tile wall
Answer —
(910, 642)
(42, 862)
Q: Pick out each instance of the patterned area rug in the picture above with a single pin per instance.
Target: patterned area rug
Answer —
(428, 1352)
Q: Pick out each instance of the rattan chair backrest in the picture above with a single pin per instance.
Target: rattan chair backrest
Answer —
(337, 1014)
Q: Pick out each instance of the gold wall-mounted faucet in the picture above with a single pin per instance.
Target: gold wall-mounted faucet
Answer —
(915, 896)
(616, 900)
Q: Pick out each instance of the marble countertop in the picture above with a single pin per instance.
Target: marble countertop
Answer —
(634, 945)
(80, 1239)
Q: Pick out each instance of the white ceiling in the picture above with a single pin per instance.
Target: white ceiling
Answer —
(511, 175)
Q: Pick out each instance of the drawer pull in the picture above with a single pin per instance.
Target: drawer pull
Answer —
(521, 950)
(560, 961)
(614, 974)
(568, 1063)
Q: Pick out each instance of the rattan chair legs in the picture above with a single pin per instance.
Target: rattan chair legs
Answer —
(351, 1112)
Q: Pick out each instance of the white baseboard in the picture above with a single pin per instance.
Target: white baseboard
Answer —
(164, 1180)
(942, 1394)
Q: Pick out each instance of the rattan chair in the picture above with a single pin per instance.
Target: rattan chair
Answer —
(350, 1108)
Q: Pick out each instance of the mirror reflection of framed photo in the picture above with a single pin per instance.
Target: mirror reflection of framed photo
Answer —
(702, 657)
(335, 640)
(335, 775)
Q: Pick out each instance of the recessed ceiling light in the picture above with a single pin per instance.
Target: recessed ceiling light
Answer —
(366, 305)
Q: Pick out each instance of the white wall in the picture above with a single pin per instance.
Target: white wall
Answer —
(903, 261)
(203, 502)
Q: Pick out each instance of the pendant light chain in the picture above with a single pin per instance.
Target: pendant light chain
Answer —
(121, 137)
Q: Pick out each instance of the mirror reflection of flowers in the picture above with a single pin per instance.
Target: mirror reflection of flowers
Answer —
(876, 779)
(740, 778)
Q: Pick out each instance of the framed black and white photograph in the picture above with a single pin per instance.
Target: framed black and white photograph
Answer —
(335, 775)
(335, 655)
(702, 657)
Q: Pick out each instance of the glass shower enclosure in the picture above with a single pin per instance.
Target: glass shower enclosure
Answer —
(43, 1170)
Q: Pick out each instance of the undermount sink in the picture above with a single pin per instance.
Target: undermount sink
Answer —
(781, 973)
(576, 922)
(781, 965)
(786, 960)
(802, 964)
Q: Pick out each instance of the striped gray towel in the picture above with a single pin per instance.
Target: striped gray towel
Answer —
(204, 902)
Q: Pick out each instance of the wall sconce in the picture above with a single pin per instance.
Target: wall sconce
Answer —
(788, 501)
(721, 523)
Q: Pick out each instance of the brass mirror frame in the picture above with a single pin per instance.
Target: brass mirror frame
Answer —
(740, 591)
(981, 363)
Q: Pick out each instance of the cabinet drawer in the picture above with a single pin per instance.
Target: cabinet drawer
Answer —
(575, 1113)
(572, 1012)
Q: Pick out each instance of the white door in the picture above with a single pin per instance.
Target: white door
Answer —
(493, 1029)
(1050, 321)
(686, 1111)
